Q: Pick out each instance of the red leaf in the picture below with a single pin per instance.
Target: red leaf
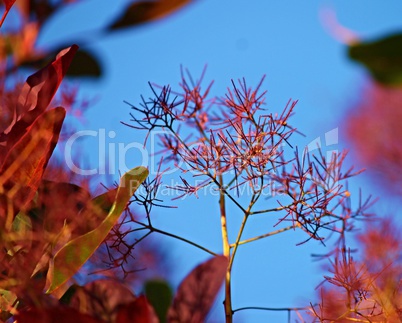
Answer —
(56, 314)
(8, 4)
(197, 291)
(22, 170)
(35, 97)
(101, 298)
(139, 311)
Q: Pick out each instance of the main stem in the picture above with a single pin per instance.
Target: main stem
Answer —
(226, 252)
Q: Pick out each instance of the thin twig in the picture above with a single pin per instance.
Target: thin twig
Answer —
(262, 236)
(153, 229)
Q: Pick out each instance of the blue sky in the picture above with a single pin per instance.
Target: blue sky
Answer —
(284, 40)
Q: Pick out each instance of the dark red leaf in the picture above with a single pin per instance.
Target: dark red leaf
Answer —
(22, 170)
(101, 299)
(35, 97)
(8, 4)
(197, 291)
(139, 311)
(144, 11)
(56, 314)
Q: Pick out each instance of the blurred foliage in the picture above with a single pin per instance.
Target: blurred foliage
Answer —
(146, 11)
(18, 49)
(85, 64)
(382, 58)
(160, 295)
(40, 245)
(49, 229)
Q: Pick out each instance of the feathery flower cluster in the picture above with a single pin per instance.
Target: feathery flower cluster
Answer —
(233, 141)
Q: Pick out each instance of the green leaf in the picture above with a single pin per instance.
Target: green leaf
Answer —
(159, 295)
(145, 11)
(69, 259)
(383, 58)
(104, 201)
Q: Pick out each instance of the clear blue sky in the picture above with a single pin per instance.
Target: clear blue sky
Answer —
(286, 41)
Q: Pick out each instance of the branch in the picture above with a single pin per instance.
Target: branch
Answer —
(262, 236)
(153, 229)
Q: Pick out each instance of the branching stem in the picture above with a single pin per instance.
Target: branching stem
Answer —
(226, 252)
(153, 229)
(262, 236)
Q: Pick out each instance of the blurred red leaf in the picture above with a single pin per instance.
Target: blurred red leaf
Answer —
(139, 311)
(8, 4)
(144, 11)
(197, 291)
(102, 298)
(35, 96)
(57, 314)
(23, 167)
